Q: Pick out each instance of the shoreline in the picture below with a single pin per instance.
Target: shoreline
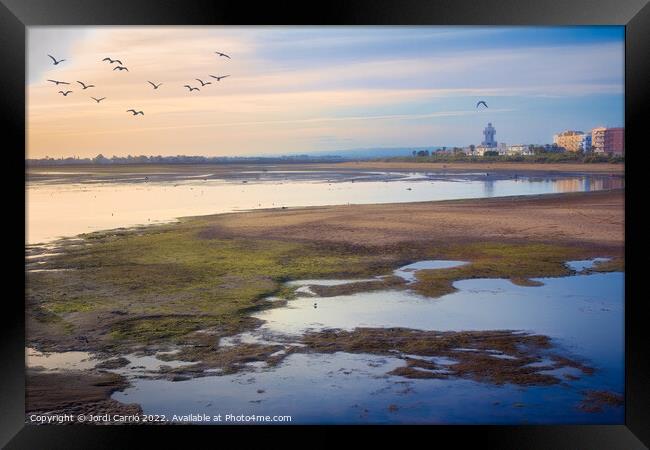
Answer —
(36, 173)
(122, 290)
(555, 168)
(523, 358)
(248, 222)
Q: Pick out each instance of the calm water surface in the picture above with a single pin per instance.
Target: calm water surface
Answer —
(60, 208)
(583, 314)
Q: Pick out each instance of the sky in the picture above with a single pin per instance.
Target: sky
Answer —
(302, 89)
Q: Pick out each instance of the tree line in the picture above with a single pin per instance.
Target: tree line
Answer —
(180, 159)
(538, 157)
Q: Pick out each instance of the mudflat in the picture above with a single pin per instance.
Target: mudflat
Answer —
(591, 219)
(335, 170)
(119, 289)
(75, 391)
(188, 284)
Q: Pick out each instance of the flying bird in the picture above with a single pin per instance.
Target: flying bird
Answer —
(58, 82)
(85, 86)
(203, 83)
(219, 78)
(191, 88)
(155, 86)
(65, 94)
(56, 63)
(222, 54)
(135, 113)
(120, 68)
(111, 61)
(98, 99)
(481, 103)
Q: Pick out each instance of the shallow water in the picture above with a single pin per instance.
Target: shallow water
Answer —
(303, 286)
(408, 272)
(59, 360)
(582, 265)
(582, 313)
(139, 364)
(58, 208)
(345, 389)
(302, 283)
(585, 311)
(143, 365)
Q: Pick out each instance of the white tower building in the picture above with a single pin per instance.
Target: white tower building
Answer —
(489, 132)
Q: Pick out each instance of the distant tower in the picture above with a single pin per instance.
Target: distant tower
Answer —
(489, 133)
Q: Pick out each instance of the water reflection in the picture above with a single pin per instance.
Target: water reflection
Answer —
(587, 184)
(488, 188)
(58, 361)
(583, 314)
(61, 209)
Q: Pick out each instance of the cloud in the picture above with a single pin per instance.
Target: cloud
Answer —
(288, 122)
(267, 92)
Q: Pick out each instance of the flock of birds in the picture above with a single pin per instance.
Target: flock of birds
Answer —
(121, 67)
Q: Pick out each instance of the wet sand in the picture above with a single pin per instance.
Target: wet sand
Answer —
(334, 171)
(72, 392)
(591, 219)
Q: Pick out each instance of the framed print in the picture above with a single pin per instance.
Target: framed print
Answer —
(385, 217)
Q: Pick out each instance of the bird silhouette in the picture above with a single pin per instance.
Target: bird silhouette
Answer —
(155, 86)
(56, 63)
(203, 83)
(58, 82)
(135, 113)
(219, 78)
(191, 88)
(222, 54)
(120, 68)
(98, 99)
(65, 94)
(111, 61)
(85, 86)
(481, 103)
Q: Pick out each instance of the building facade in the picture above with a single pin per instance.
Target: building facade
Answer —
(570, 140)
(585, 143)
(609, 141)
(481, 149)
(519, 149)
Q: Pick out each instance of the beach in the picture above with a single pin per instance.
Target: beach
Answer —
(183, 287)
(549, 218)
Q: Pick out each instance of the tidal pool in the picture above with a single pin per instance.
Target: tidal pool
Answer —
(345, 388)
(583, 314)
(138, 364)
(582, 265)
(59, 361)
(408, 272)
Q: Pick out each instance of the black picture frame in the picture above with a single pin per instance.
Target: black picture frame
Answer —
(16, 15)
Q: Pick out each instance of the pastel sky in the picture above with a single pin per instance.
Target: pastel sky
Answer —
(302, 89)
